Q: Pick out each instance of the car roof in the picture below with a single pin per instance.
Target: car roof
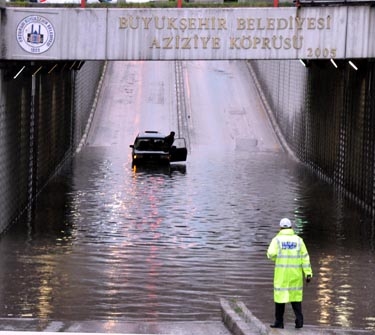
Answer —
(150, 134)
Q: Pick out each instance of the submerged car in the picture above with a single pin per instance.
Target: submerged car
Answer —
(151, 147)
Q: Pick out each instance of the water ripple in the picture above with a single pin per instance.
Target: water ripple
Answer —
(166, 245)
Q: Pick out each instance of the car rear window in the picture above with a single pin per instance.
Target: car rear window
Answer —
(149, 144)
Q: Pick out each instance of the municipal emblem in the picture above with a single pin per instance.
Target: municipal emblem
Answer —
(35, 34)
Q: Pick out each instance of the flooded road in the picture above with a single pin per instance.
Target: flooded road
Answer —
(111, 243)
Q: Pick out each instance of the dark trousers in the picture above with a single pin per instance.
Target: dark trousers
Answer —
(280, 309)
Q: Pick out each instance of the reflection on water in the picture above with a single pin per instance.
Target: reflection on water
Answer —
(117, 242)
(163, 169)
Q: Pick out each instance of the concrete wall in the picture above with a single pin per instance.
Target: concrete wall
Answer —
(188, 33)
(327, 118)
(42, 118)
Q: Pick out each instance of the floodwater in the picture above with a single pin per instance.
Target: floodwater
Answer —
(110, 242)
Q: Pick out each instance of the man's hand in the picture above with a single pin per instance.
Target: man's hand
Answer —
(308, 279)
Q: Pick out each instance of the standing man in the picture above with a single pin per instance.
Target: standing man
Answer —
(292, 265)
(169, 139)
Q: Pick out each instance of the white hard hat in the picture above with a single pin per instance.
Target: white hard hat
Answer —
(285, 223)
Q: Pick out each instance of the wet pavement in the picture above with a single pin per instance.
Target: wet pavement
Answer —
(109, 245)
(237, 319)
(155, 328)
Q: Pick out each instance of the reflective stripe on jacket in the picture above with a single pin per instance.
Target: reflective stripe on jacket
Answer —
(292, 264)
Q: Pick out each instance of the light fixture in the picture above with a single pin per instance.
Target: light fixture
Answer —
(334, 63)
(50, 71)
(302, 62)
(71, 67)
(352, 65)
(19, 72)
(40, 67)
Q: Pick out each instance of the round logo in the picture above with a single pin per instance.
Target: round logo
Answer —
(35, 34)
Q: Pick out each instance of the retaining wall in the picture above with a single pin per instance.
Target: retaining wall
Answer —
(43, 114)
(327, 117)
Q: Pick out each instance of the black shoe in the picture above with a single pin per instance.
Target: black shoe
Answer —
(277, 325)
(299, 325)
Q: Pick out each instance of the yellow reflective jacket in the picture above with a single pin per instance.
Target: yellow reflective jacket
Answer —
(292, 264)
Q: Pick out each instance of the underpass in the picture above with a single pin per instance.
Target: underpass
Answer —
(236, 133)
(320, 37)
(159, 248)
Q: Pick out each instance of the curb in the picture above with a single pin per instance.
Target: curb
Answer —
(239, 320)
(92, 111)
(270, 114)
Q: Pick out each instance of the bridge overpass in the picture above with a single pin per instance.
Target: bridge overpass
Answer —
(325, 32)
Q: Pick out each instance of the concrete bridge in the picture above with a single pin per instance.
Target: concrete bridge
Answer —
(327, 32)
